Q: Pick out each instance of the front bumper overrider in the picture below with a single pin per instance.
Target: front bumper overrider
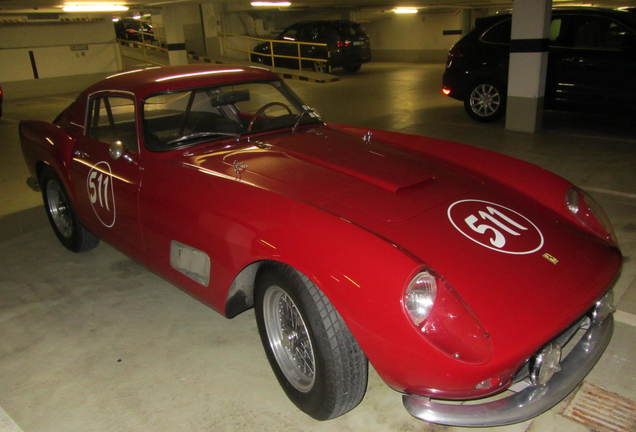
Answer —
(526, 403)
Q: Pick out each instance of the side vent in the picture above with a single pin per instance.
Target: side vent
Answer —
(193, 263)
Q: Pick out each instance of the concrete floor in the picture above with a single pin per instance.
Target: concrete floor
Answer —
(94, 342)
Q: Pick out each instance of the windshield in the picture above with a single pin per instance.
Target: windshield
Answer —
(184, 118)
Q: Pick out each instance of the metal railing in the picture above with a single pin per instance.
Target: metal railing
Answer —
(272, 55)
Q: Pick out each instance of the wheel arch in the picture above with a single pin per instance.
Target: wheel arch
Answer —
(240, 295)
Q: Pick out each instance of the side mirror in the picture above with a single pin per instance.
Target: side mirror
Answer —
(116, 149)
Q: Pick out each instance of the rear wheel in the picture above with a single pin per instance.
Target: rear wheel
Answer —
(314, 356)
(485, 102)
(63, 219)
(321, 67)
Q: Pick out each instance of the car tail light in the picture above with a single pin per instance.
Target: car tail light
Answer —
(343, 44)
(446, 91)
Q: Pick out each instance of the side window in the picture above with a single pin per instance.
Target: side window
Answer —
(112, 118)
(499, 33)
(307, 33)
(597, 32)
(291, 34)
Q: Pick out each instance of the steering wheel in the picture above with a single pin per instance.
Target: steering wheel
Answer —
(259, 112)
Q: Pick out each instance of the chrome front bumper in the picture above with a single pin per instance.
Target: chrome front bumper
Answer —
(527, 403)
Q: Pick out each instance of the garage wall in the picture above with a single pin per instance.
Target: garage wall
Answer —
(57, 50)
(414, 38)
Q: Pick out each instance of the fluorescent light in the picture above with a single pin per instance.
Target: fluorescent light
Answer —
(271, 3)
(115, 19)
(94, 7)
(192, 74)
(405, 10)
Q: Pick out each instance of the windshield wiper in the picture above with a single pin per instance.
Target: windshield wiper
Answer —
(306, 110)
(197, 135)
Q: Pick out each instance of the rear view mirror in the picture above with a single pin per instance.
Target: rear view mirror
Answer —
(231, 97)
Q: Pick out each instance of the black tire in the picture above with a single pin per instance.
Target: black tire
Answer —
(62, 218)
(338, 380)
(485, 101)
(352, 67)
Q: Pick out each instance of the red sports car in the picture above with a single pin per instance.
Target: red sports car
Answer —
(457, 272)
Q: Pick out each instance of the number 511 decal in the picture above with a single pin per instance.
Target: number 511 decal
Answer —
(99, 185)
(495, 227)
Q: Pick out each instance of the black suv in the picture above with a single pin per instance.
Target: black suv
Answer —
(347, 46)
(591, 63)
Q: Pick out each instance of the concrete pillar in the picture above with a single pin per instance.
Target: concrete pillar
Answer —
(528, 64)
(175, 36)
(211, 21)
(467, 21)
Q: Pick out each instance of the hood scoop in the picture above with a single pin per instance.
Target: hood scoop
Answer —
(382, 166)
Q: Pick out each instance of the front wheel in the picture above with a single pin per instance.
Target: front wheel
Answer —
(63, 219)
(485, 102)
(314, 356)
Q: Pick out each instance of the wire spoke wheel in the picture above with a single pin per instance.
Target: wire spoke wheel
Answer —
(313, 354)
(59, 209)
(289, 339)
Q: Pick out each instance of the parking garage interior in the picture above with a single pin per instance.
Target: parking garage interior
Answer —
(97, 342)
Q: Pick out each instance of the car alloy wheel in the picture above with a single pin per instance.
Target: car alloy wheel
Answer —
(485, 102)
(321, 67)
(289, 339)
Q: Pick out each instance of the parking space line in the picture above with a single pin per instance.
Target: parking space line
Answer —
(7, 424)
(611, 192)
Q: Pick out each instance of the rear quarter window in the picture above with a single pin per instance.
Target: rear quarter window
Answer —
(498, 33)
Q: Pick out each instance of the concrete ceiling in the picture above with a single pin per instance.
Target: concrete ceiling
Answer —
(55, 5)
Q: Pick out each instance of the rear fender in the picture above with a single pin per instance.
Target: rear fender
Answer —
(47, 144)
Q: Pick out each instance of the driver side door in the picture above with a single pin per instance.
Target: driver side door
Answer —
(107, 181)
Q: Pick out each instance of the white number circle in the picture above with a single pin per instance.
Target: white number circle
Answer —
(495, 227)
(99, 185)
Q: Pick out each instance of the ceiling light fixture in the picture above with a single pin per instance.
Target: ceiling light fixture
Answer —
(405, 10)
(270, 3)
(94, 7)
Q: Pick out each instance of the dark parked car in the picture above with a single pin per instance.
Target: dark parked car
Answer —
(347, 46)
(591, 66)
(132, 29)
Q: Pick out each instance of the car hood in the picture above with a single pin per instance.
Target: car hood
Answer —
(545, 275)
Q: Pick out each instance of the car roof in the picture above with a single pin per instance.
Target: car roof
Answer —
(622, 14)
(152, 80)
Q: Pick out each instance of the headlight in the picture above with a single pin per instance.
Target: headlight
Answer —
(440, 316)
(590, 214)
(420, 297)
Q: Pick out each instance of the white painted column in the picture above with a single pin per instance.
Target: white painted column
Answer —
(467, 21)
(211, 19)
(528, 64)
(175, 36)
